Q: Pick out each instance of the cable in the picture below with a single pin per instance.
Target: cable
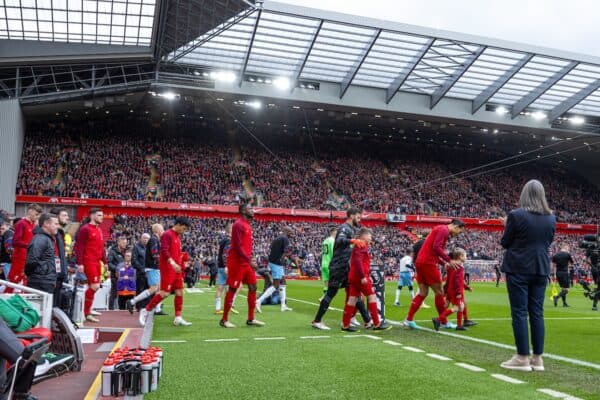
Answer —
(237, 121)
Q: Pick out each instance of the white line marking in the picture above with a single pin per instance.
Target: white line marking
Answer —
(353, 336)
(373, 337)
(221, 340)
(470, 367)
(573, 361)
(413, 349)
(507, 379)
(391, 342)
(568, 360)
(313, 304)
(270, 338)
(315, 337)
(169, 341)
(439, 357)
(558, 395)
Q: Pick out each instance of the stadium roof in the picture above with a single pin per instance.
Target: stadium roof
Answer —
(275, 40)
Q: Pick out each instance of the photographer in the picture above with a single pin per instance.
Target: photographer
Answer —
(593, 259)
(562, 260)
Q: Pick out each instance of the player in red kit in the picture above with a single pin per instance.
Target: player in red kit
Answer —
(241, 266)
(89, 252)
(359, 284)
(171, 271)
(21, 238)
(455, 291)
(431, 254)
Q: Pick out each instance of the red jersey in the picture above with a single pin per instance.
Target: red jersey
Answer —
(21, 238)
(170, 247)
(455, 282)
(240, 250)
(360, 264)
(433, 250)
(89, 245)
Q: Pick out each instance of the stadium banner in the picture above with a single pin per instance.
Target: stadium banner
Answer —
(378, 279)
(140, 207)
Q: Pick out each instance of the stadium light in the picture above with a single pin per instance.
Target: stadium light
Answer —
(501, 110)
(282, 83)
(223, 76)
(538, 115)
(577, 120)
(168, 95)
(254, 104)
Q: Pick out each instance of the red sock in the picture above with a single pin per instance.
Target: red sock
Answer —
(89, 300)
(374, 313)
(440, 303)
(178, 305)
(154, 302)
(459, 318)
(251, 304)
(8, 290)
(228, 303)
(348, 314)
(465, 315)
(443, 317)
(414, 307)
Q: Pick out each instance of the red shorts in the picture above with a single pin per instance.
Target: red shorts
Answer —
(239, 274)
(170, 280)
(92, 272)
(456, 300)
(428, 275)
(356, 289)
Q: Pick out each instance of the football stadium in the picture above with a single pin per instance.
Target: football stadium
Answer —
(245, 199)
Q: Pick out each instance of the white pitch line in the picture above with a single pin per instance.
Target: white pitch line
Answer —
(507, 379)
(270, 338)
(568, 360)
(221, 340)
(413, 349)
(373, 337)
(169, 341)
(558, 395)
(313, 304)
(470, 367)
(353, 336)
(392, 343)
(315, 337)
(439, 357)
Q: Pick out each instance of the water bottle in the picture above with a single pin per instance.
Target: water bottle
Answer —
(107, 372)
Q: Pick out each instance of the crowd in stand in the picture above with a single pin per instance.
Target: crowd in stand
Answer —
(389, 245)
(326, 174)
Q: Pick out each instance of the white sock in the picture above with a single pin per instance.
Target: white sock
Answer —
(282, 296)
(158, 307)
(397, 296)
(266, 294)
(218, 303)
(142, 296)
(412, 294)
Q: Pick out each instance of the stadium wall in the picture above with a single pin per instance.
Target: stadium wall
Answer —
(12, 132)
(150, 208)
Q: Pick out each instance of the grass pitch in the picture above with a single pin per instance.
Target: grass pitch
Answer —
(288, 359)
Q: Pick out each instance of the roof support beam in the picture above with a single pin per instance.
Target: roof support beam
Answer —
(33, 85)
(247, 57)
(345, 84)
(572, 101)
(298, 71)
(488, 93)
(447, 85)
(532, 96)
(408, 69)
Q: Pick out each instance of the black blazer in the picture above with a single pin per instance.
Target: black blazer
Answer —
(527, 239)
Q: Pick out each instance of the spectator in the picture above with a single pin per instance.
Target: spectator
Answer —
(116, 257)
(125, 280)
(528, 233)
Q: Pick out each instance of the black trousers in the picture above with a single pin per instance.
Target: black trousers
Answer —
(10, 349)
(112, 299)
(212, 281)
(44, 287)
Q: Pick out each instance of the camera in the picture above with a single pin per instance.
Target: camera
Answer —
(590, 243)
(592, 294)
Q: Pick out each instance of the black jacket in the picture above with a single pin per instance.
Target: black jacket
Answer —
(152, 252)
(341, 248)
(138, 257)
(60, 241)
(527, 239)
(40, 265)
(115, 257)
(6, 249)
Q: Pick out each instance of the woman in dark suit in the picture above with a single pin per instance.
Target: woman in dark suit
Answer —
(528, 233)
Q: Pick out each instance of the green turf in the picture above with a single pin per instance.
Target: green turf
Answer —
(363, 368)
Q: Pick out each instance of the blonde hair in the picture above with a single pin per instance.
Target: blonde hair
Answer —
(533, 198)
(457, 253)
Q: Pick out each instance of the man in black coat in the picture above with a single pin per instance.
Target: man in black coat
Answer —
(43, 262)
(116, 256)
(62, 276)
(138, 261)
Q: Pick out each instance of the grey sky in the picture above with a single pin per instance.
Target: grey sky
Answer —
(572, 25)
